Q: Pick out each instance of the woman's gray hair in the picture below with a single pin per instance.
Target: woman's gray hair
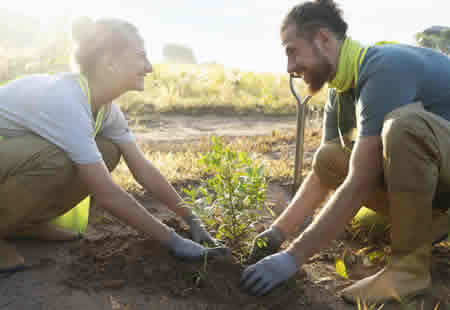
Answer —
(93, 38)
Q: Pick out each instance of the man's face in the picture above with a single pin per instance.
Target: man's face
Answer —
(306, 60)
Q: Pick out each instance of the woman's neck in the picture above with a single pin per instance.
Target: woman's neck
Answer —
(101, 94)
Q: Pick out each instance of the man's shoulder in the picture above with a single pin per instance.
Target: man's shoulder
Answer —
(392, 60)
(397, 55)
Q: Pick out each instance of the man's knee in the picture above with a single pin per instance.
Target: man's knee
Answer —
(399, 129)
(330, 164)
(110, 152)
(410, 151)
(406, 126)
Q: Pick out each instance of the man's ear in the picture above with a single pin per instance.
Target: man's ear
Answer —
(323, 39)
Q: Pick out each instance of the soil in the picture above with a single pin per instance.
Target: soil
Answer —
(114, 267)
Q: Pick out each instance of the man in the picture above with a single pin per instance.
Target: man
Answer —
(398, 164)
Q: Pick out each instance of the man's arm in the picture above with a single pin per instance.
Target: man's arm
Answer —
(152, 180)
(306, 200)
(364, 175)
(312, 192)
(365, 170)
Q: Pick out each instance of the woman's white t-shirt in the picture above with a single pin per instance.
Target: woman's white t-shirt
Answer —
(56, 108)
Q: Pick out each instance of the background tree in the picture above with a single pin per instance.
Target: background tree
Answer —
(175, 53)
(17, 30)
(437, 37)
(26, 46)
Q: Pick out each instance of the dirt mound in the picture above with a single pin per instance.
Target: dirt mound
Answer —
(113, 262)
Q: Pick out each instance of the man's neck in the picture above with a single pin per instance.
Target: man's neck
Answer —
(336, 60)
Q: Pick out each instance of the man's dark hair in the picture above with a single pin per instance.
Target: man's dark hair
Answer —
(311, 16)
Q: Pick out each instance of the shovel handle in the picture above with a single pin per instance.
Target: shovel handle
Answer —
(301, 118)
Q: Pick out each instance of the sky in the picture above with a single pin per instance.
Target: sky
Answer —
(241, 33)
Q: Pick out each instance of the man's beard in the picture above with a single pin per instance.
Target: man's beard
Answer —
(319, 75)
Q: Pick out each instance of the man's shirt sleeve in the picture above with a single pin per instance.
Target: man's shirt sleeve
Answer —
(390, 80)
(339, 114)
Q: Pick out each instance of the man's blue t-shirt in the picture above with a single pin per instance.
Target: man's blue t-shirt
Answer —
(391, 76)
(394, 75)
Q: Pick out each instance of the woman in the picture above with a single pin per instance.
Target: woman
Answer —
(62, 135)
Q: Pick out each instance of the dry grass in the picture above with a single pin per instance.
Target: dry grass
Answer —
(195, 89)
(179, 162)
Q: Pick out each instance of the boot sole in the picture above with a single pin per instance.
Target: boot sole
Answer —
(390, 300)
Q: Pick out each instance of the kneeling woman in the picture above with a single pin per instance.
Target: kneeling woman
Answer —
(61, 135)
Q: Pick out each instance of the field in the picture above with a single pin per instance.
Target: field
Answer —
(114, 267)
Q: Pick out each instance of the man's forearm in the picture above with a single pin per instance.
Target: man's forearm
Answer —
(330, 222)
(310, 195)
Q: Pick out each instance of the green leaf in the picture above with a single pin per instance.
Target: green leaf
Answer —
(340, 268)
(375, 255)
(271, 211)
(261, 243)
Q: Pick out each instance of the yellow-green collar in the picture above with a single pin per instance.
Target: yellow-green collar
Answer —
(347, 66)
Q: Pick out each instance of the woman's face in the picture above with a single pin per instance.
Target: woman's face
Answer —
(132, 65)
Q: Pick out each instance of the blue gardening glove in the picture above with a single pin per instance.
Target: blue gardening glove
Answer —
(266, 243)
(263, 276)
(189, 250)
(198, 231)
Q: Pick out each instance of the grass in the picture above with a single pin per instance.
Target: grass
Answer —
(195, 89)
(179, 162)
(189, 89)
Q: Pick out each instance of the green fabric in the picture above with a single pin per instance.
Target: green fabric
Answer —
(347, 66)
(76, 219)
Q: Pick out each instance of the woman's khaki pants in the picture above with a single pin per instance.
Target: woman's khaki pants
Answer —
(38, 182)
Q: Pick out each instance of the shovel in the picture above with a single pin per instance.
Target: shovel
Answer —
(301, 118)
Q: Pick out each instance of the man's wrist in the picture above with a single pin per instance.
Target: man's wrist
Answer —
(296, 255)
(171, 241)
(290, 259)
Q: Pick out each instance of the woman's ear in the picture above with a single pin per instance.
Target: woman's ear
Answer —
(108, 64)
(111, 65)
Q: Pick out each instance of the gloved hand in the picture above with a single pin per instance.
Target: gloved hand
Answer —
(198, 231)
(184, 248)
(189, 250)
(266, 243)
(263, 276)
